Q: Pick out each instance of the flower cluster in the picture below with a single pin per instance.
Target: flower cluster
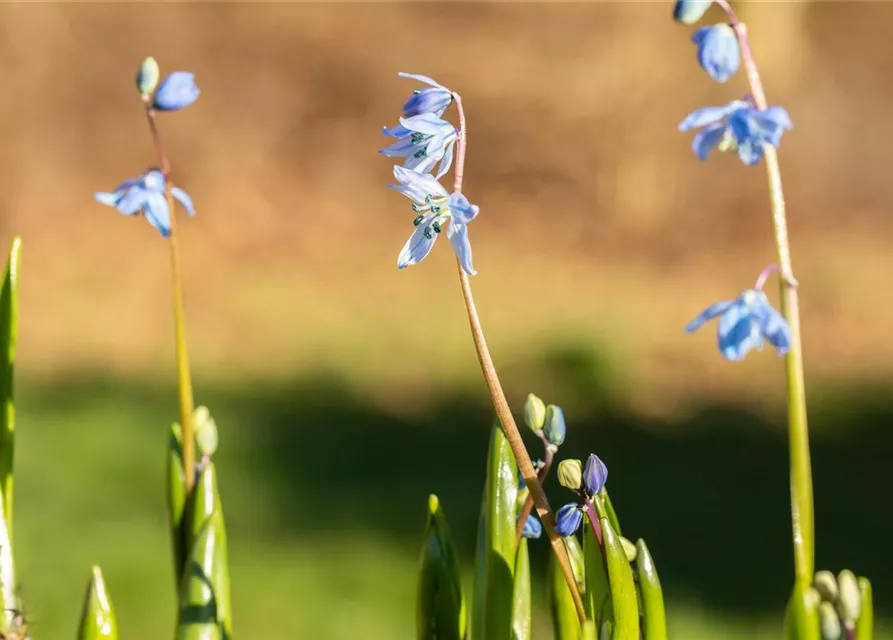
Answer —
(587, 482)
(740, 126)
(148, 194)
(425, 141)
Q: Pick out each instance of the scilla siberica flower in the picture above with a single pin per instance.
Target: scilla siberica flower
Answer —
(737, 126)
(435, 208)
(434, 99)
(145, 195)
(743, 323)
(570, 516)
(718, 51)
(533, 529)
(176, 91)
(424, 140)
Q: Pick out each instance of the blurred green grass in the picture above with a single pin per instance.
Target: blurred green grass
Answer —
(325, 501)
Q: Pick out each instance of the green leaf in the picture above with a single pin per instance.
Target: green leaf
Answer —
(205, 605)
(609, 510)
(522, 612)
(440, 613)
(865, 625)
(802, 614)
(654, 617)
(491, 613)
(597, 589)
(176, 500)
(589, 630)
(623, 587)
(565, 623)
(98, 615)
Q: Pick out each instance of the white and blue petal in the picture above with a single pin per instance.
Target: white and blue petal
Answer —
(419, 244)
(707, 314)
(110, 199)
(418, 186)
(776, 331)
(462, 210)
(707, 115)
(458, 235)
(183, 198)
(420, 78)
(736, 340)
(707, 138)
(429, 124)
(750, 151)
(157, 212)
(133, 200)
(398, 131)
(447, 161)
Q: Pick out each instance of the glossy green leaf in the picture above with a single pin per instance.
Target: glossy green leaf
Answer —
(654, 617)
(589, 631)
(865, 625)
(176, 500)
(522, 611)
(565, 624)
(609, 512)
(802, 614)
(98, 615)
(205, 604)
(440, 612)
(623, 587)
(491, 613)
(597, 589)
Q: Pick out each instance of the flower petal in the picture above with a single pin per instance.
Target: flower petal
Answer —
(703, 117)
(533, 528)
(157, 212)
(398, 131)
(735, 340)
(184, 199)
(418, 246)
(110, 199)
(708, 314)
(176, 91)
(776, 330)
(422, 184)
(133, 201)
(707, 138)
(404, 147)
(461, 210)
(458, 235)
(420, 78)
(447, 161)
(568, 520)
(429, 124)
(718, 51)
(750, 152)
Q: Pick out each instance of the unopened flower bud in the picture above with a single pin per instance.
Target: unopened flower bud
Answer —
(534, 412)
(849, 604)
(570, 474)
(595, 475)
(629, 549)
(554, 428)
(690, 11)
(830, 623)
(826, 584)
(147, 76)
(205, 431)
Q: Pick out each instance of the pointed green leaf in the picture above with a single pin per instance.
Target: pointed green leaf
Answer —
(176, 500)
(623, 587)
(609, 512)
(98, 615)
(205, 604)
(589, 631)
(654, 617)
(440, 613)
(522, 612)
(9, 324)
(802, 614)
(597, 589)
(495, 561)
(865, 626)
(565, 624)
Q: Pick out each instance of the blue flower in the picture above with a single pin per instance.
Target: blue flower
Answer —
(435, 208)
(434, 99)
(145, 195)
(423, 140)
(176, 91)
(568, 519)
(690, 11)
(595, 475)
(555, 428)
(743, 324)
(533, 529)
(737, 126)
(718, 51)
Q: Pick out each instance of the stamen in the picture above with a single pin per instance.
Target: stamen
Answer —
(419, 154)
(416, 208)
(436, 227)
(435, 208)
(416, 137)
(427, 232)
(418, 221)
(416, 91)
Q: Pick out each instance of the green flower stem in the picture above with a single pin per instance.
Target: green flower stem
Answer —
(548, 457)
(184, 379)
(501, 405)
(798, 432)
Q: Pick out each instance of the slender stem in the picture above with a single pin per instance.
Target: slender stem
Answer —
(589, 510)
(802, 517)
(548, 457)
(501, 404)
(184, 379)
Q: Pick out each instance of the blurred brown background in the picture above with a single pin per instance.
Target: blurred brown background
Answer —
(600, 233)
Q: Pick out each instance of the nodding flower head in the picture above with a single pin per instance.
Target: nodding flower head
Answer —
(744, 323)
(424, 140)
(568, 519)
(177, 91)
(436, 209)
(146, 194)
(737, 126)
(434, 99)
(718, 51)
(533, 528)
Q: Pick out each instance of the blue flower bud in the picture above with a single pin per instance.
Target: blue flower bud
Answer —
(568, 520)
(555, 429)
(147, 76)
(533, 529)
(690, 11)
(177, 90)
(595, 474)
(430, 100)
(718, 51)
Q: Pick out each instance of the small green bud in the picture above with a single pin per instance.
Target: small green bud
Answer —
(205, 431)
(629, 549)
(830, 623)
(826, 584)
(850, 603)
(147, 76)
(555, 429)
(521, 497)
(570, 474)
(534, 412)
